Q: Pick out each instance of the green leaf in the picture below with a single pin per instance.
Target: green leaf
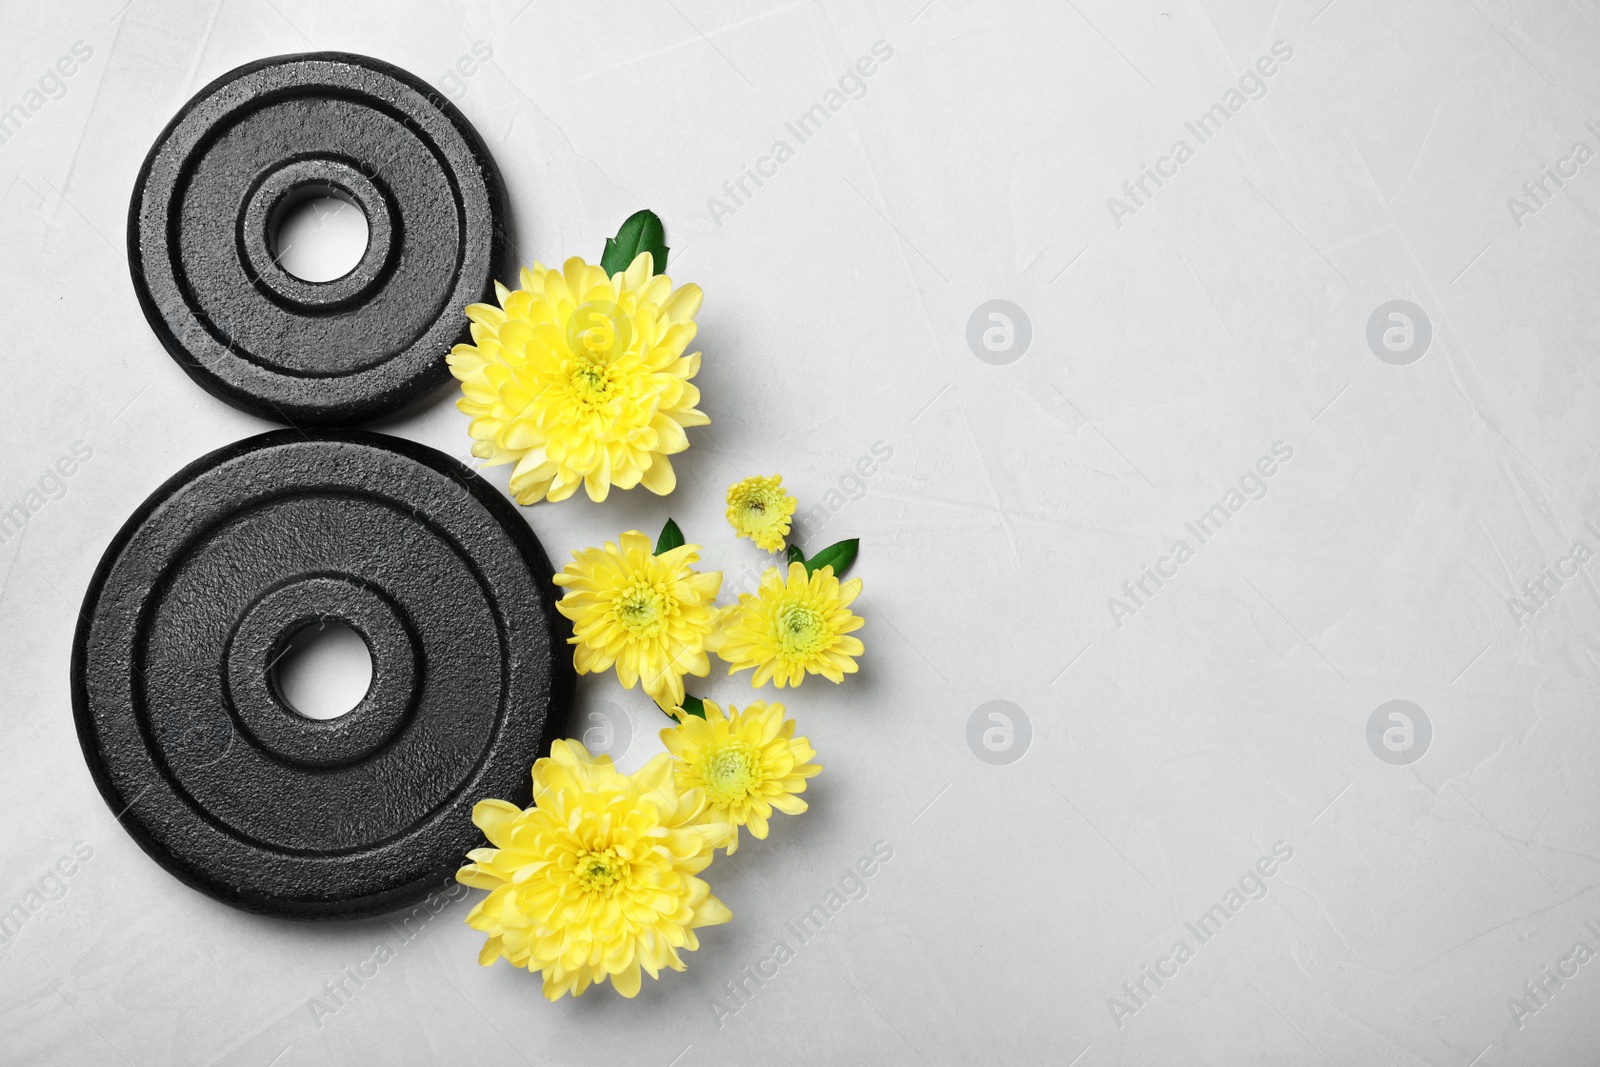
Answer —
(641, 233)
(795, 555)
(693, 705)
(838, 556)
(671, 537)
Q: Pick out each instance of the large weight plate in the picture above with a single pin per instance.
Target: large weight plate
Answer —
(247, 148)
(214, 774)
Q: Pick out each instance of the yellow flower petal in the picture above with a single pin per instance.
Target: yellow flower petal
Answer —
(659, 477)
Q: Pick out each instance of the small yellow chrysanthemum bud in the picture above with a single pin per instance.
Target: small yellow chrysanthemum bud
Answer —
(760, 509)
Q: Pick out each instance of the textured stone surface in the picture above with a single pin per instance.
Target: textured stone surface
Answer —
(215, 182)
(196, 598)
(1002, 499)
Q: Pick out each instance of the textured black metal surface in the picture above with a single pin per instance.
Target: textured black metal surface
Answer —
(274, 132)
(217, 778)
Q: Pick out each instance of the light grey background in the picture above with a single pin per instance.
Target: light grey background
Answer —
(1171, 347)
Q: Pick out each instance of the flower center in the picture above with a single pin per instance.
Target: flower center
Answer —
(761, 509)
(599, 871)
(643, 609)
(800, 629)
(729, 771)
(590, 382)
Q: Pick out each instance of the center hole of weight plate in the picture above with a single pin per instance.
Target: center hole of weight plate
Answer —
(324, 672)
(319, 234)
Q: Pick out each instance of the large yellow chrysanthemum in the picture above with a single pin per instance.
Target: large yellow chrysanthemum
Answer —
(597, 879)
(792, 627)
(761, 509)
(746, 764)
(649, 615)
(581, 378)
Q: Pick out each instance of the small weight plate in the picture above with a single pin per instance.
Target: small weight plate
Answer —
(250, 146)
(181, 722)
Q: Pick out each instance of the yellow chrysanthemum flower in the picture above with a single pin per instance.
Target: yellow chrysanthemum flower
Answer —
(649, 615)
(597, 879)
(745, 764)
(581, 378)
(760, 509)
(792, 627)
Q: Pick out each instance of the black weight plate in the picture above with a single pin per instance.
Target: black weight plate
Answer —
(257, 141)
(208, 768)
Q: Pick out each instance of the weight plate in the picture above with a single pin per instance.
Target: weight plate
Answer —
(210, 769)
(253, 144)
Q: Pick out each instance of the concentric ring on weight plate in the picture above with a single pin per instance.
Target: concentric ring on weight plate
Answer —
(204, 207)
(199, 592)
